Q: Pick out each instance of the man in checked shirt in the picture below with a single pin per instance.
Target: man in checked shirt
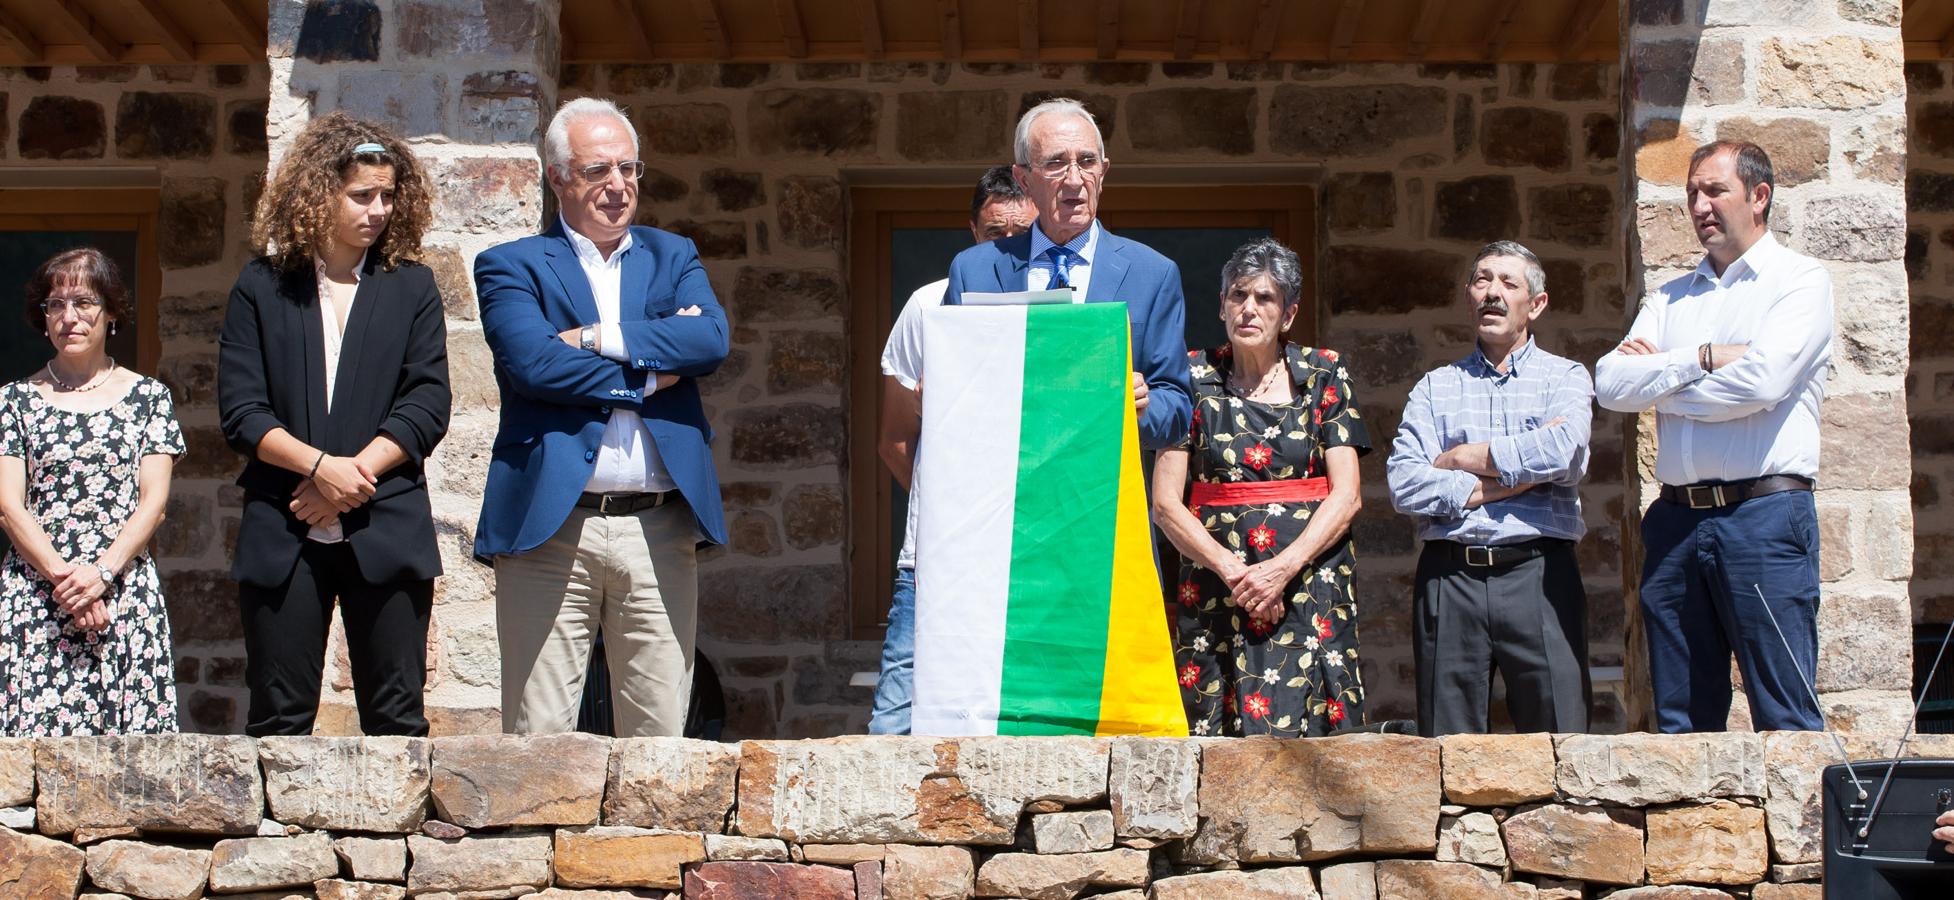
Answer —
(1489, 460)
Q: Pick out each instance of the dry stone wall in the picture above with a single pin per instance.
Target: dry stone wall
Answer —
(576, 816)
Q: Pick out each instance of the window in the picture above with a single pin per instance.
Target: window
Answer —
(902, 238)
(36, 224)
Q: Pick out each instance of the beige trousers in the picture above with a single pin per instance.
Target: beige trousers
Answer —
(633, 576)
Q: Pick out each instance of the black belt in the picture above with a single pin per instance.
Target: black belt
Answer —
(1492, 557)
(624, 504)
(1715, 494)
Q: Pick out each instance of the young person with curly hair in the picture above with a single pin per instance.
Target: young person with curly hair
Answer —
(332, 381)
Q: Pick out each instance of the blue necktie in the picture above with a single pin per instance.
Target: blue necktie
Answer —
(1061, 267)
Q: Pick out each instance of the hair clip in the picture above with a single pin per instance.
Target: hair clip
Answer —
(369, 147)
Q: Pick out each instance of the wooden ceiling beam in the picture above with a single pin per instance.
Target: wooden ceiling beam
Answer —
(1500, 30)
(1028, 29)
(713, 29)
(1947, 43)
(871, 17)
(237, 14)
(1268, 16)
(177, 42)
(795, 36)
(1580, 24)
(99, 43)
(1424, 27)
(20, 38)
(632, 22)
(1108, 29)
(1189, 30)
(952, 29)
(1344, 32)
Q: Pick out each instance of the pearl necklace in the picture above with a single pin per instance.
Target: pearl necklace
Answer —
(89, 385)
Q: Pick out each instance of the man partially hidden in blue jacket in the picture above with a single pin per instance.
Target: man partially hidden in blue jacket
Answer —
(601, 483)
(1061, 163)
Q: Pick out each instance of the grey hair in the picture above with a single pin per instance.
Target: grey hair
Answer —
(556, 140)
(1266, 256)
(1064, 105)
(1536, 276)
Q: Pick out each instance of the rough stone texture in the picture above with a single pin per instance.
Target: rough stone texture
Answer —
(191, 783)
(1401, 879)
(1348, 881)
(1072, 832)
(928, 873)
(673, 783)
(686, 129)
(1498, 769)
(16, 771)
(1647, 769)
(756, 880)
(263, 863)
(1286, 801)
(726, 846)
(1195, 120)
(1059, 876)
(1836, 72)
(36, 868)
(347, 784)
(842, 854)
(953, 126)
(339, 889)
(488, 780)
(1285, 883)
(810, 211)
(1324, 121)
(817, 121)
(1588, 843)
(479, 864)
(62, 128)
(372, 858)
(1518, 136)
(1794, 763)
(151, 871)
(620, 856)
(1788, 892)
(1152, 786)
(165, 126)
(1478, 209)
(1712, 843)
(1471, 838)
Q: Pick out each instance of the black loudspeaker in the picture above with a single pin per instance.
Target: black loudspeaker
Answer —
(1897, 858)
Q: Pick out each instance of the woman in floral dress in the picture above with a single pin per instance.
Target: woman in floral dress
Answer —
(1259, 503)
(86, 448)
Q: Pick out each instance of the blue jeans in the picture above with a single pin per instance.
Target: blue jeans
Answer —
(893, 690)
(1701, 578)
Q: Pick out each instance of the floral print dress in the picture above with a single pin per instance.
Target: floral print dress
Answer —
(81, 487)
(1297, 677)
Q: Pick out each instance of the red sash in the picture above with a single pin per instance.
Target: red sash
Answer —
(1256, 493)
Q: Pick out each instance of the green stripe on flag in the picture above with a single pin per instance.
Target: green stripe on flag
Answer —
(1075, 378)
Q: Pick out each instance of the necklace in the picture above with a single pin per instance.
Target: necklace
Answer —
(1261, 387)
(89, 385)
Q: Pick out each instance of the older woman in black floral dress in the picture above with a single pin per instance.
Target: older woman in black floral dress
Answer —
(1259, 503)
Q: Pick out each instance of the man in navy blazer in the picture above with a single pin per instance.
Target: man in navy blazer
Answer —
(1061, 163)
(601, 483)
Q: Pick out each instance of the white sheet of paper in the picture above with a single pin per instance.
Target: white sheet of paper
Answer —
(1019, 298)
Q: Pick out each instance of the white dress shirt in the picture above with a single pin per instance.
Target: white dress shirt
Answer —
(335, 337)
(627, 460)
(1082, 245)
(1756, 416)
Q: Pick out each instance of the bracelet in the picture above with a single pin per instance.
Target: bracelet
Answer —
(315, 464)
(1703, 357)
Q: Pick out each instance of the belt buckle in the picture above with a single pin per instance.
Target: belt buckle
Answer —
(604, 505)
(1714, 493)
(1485, 553)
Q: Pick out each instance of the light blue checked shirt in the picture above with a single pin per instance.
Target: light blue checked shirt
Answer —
(1471, 402)
(1084, 246)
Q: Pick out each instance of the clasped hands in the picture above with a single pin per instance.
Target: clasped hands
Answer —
(1258, 588)
(79, 591)
(340, 484)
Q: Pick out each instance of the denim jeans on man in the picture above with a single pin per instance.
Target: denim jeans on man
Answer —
(890, 714)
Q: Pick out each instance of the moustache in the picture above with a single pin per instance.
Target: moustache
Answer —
(1498, 306)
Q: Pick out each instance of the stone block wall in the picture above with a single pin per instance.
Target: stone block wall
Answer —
(202, 128)
(1930, 376)
(1420, 166)
(578, 816)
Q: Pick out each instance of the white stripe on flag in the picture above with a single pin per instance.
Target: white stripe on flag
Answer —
(967, 471)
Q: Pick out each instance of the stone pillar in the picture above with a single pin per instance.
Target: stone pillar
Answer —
(1821, 86)
(470, 84)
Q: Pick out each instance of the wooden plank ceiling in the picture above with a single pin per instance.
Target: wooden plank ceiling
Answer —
(99, 32)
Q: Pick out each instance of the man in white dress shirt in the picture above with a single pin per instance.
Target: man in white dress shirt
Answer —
(1733, 358)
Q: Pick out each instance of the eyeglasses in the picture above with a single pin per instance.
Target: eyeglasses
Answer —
(1054, 168)
(598, 173)
(85, 307)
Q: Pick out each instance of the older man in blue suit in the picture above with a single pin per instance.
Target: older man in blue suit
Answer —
(601, 483)
(1061, 163)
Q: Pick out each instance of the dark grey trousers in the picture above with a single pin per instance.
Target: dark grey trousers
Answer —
(1528, 620)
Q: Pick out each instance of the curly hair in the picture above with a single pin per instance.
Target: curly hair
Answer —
(90, 267)
(295, 214)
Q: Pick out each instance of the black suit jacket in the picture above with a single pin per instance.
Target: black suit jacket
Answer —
(392, 378)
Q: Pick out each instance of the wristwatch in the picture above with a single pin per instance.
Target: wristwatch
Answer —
(108, 574)
(587, 338)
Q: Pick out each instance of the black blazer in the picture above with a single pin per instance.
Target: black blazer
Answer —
(392, 377)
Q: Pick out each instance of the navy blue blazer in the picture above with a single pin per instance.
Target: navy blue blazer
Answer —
(1122, 270)
(557, 398)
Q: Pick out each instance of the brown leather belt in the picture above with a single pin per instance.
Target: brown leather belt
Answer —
(624, 504)
(1718, 494)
